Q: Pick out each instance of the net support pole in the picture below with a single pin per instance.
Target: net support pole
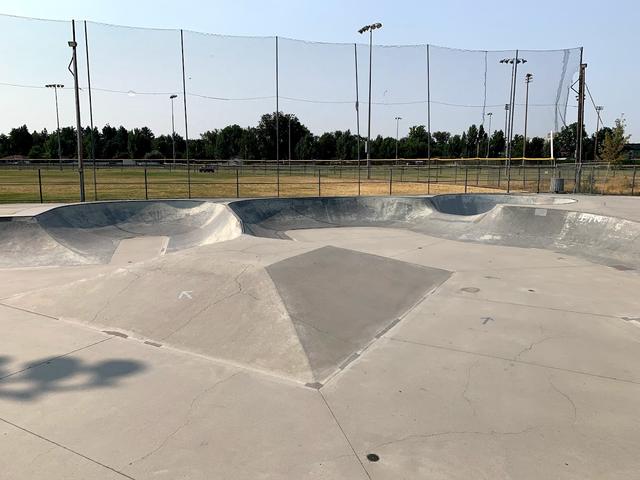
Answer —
(186, 123)
(277, 109)
(93, 143)
(355, 53)
(74, 61)
(580, 132)
(428, 108)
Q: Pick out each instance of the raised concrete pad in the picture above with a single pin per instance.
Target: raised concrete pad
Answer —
(339, 300)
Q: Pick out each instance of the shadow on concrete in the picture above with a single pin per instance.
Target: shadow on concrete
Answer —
(64, 374)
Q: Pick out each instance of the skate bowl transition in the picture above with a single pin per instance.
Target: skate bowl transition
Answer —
(95, 233)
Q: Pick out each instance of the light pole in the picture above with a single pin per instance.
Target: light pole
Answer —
(55, 87)
(506, 124)
(514, 62)
(527, 80)
(599, 108)
(490, 115)
(397, 128)
(173, 129)
(370, 29)
(289, 139)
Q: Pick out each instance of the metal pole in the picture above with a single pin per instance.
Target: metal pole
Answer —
(355, 52)
(633, 181)
(595, 146)
(428, 110)
(369, 116)
(146, 186)
(237, 183)
(319, 194)
(513, 105)
(289, 144)
(466, 176)
(397, 129)
(40, 185)
(55, 92)
(186, 125)
(73, 44)
(527, 80)
(490, 114)
(93, 144)
(173, 131)
(390, 180)
(277, 111)
(506, 124)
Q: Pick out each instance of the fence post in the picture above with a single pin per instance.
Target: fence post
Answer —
(499, 175)
(358, 178)
(189, 179)
(278, 180)
(524, 178)
(466, 175)
(237, 182)
(633, 181)
(390, 180)
(40, 184)
(428, 179)
(319, 191)
(538, 188)
(509, 179)
(455, 175)
(146, 187)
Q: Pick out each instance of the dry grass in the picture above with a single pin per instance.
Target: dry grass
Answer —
(115, 184)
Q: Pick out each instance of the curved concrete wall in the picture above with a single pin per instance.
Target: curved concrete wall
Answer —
(90, 233)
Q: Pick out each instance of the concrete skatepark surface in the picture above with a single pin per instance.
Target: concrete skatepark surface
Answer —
(457, 336)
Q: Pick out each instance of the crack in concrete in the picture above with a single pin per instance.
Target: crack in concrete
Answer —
(418, 436)
(111, 297)
(209, 305)
(187, 419)
(466, 388)
(536, 343)
(568, 398)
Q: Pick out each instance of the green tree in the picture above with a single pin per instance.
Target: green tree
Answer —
(20, 140)
(614, 143)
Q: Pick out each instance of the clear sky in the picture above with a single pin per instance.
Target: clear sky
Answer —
(608, 32)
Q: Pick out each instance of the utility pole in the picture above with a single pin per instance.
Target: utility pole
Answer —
(74, 61)
(580, 129)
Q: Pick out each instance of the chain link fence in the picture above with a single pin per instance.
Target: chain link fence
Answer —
(51, 183)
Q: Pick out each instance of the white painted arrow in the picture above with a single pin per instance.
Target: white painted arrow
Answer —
(185, 293)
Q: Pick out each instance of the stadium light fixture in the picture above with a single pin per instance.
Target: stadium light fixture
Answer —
(173, 129)
(55, 87)
(370, 29)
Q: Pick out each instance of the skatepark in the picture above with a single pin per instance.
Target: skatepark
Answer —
(455, 336)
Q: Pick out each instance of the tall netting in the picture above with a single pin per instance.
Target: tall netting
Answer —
(34, 54)
(133, 74)
(236, 80)
(229, 80)
(317, 84)
(398, 89)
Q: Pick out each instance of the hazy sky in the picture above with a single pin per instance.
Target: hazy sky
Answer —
(607, 32)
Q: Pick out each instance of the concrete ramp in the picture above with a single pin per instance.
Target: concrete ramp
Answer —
(92, 232)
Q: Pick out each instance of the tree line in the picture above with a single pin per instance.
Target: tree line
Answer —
(297, 142)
